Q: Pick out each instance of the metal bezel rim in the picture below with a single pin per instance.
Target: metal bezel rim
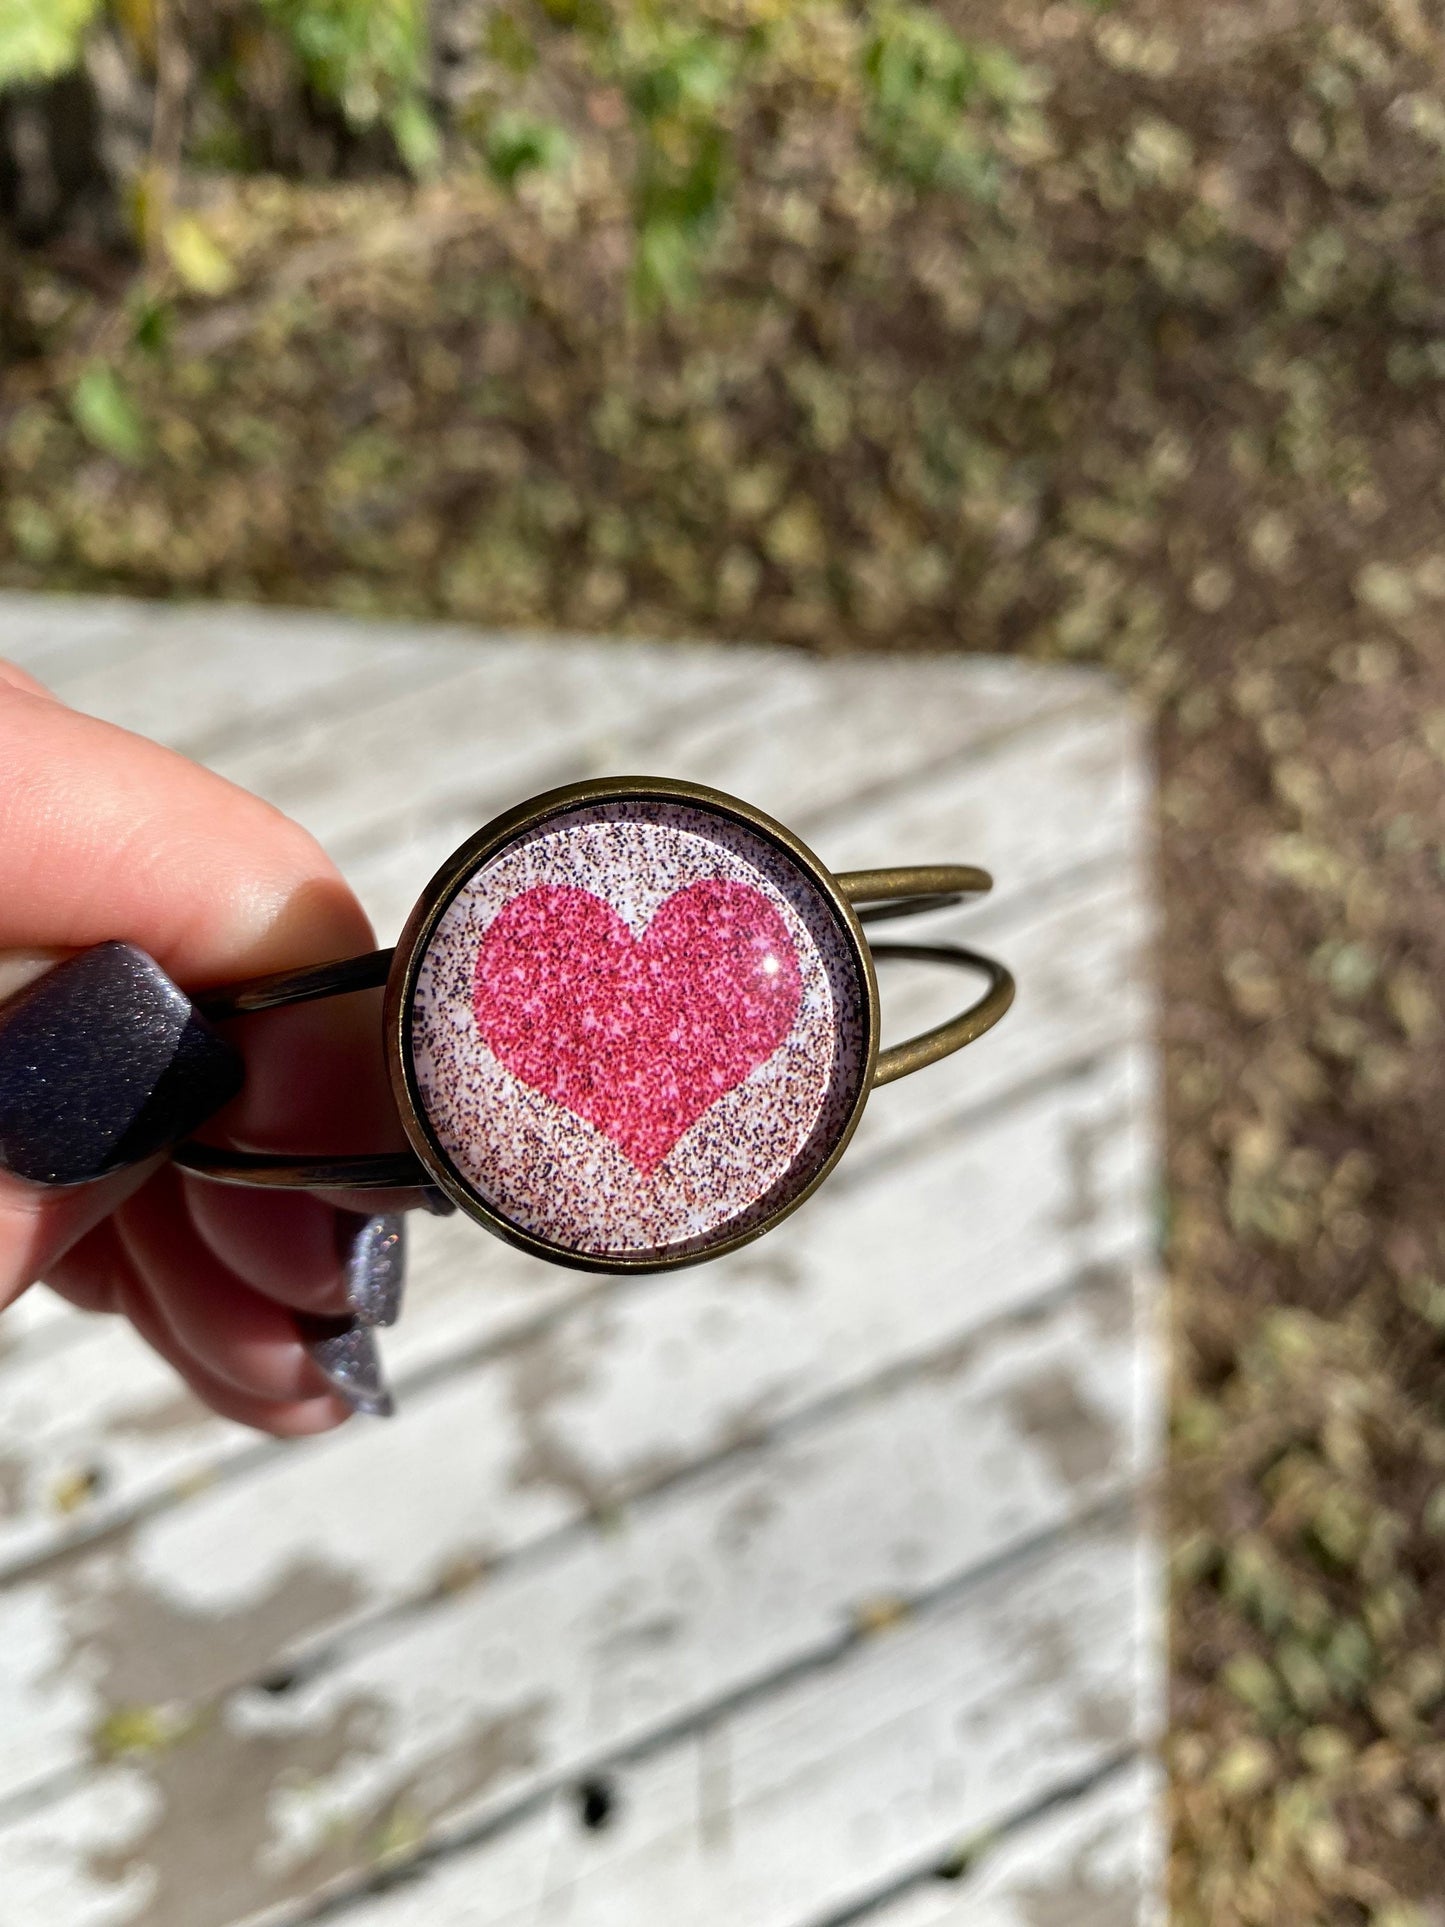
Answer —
(441, 891)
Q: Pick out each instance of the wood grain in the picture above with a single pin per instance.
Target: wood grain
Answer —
(792, 1555)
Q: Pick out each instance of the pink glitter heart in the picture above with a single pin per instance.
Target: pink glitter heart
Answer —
(638, 1035)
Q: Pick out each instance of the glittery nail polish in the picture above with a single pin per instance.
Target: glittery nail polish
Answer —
(373, 1255)
(104, 1062)
(347, 1353)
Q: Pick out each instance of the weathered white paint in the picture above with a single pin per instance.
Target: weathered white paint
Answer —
(153, 690)
(678, 1489)
(1035, 804)
(1090, 1862)
(498, 726)
(823, 1784)
(572, 1420)
(34, 1324)
(56, 636)
(116, 1411)
(1093, 1861)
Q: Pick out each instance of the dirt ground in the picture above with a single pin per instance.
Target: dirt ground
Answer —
(1171, 400)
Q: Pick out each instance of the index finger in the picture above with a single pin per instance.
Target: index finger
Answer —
(106, 835)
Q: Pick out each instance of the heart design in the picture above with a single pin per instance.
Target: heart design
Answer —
(638, 1035)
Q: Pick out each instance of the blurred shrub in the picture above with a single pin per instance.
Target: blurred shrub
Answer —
(925, 84)
(102, 100)
(678, 80)
(371, 58)
(358, 86)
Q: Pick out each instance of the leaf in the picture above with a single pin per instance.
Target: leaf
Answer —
(127, 1731)
(931, 94)
(370, 57)
(680, 72)
(200, 262)
(106, 415)
(41, 38)
(516, 144)
(665, 266)
(418, 139)
(151, 328)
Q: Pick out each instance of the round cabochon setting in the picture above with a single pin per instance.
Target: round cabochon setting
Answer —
(638, 1030)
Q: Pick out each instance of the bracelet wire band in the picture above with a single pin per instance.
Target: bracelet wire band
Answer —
(295, 986)
(874, 895)
(944, 1039)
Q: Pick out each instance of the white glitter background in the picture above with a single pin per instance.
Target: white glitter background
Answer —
(548, 1170)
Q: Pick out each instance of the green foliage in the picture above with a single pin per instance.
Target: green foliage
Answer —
(929, 90)
(690, 80)
(41, 38)
(151, 324)
(106, 415)
(515, 144)
(370, 57)
(200, 263)
(678, 79)
(929, 96)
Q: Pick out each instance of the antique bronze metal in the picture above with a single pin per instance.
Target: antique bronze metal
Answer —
(659, 903)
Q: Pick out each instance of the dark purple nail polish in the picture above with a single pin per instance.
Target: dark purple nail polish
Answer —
(103, 1062)
(373, 1255)
(346, 1352)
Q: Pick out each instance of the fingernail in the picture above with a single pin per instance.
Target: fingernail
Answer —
(346, 1352)
(104, 1062)
(435, 1200)
(373, 1255)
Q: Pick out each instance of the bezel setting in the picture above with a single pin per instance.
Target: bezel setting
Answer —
(493, 841)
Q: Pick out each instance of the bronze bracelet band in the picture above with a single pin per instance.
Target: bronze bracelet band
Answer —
(874, 895)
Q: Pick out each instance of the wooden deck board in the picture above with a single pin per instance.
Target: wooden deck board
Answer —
(859, 1762)
(572, 1418)
(115, 1416)
(633, 1526)
(1092, 1861)
(805, 1801)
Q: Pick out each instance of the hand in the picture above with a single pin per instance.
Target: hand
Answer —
(104, 835)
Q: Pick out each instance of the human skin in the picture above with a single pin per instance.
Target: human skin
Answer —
(105, 835)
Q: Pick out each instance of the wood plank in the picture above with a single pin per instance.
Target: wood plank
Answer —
(168, 670)
(34, 1325)
(512, 720)
(53, 636)
(798, 1767)
(529, 715)
(208, 689)
(570, 1423)
(193, 674)
(635, 1526)
(115, 1425)
(1036, 803)
(98, 1426)
(887, 719)
(868, 728)
(1093, 1861)
(1043, 806)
